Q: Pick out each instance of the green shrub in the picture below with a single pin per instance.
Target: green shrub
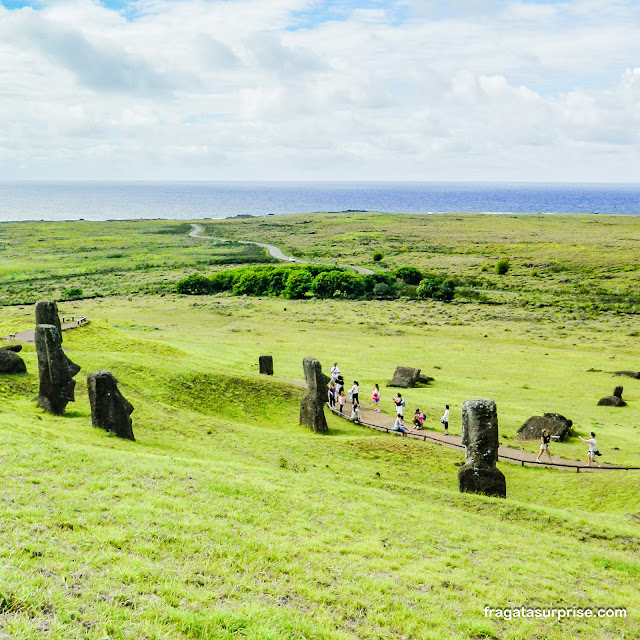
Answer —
(345, 284)
(502, 266)
(298, 284)
(409, 275)
(73, 293)
(377, 256)
(383, 290)
(221, 281)
(194, 285)
(437, 288)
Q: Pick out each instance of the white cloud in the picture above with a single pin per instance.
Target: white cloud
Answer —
(236, 89)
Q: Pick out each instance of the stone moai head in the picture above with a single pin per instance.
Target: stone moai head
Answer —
(480, 431)
(479, 474)
(109, 408)
(617, 392)
(265, 364)
(312, 405)
(55, 370)
(316, 380)
(47, 313)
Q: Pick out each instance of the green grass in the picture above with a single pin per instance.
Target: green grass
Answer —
(43, 260)
(226, 519)
(579, 262)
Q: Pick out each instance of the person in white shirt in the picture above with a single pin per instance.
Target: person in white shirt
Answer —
(335, 372)
(355, 415)
(399, 402)
(353, 393)
(593, 448)
(445, 419)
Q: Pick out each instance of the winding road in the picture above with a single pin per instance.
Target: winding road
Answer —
(273, 251)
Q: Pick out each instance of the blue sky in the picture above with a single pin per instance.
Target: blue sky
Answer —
(320, 89)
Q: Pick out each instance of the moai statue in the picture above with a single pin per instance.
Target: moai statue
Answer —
(56, 371)
(480, 437)
(47, 313)
(312, 405)
(266, 365)
(109, 409)
(614, 400)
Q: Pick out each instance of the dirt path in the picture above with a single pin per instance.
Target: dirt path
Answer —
(384, 422)
(30, 334)
(273, 251)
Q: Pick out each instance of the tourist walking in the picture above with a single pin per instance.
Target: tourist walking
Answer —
(445, 419)
(354, 393)
(545, 438)
(398, 425)
(342, 399)
(332, 394)
(399, 402)
(593, 448)
(375, 397)
(335, 372)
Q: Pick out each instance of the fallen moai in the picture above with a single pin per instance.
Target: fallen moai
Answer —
(266, 365)
(614, 400)
(407, 378)
(480, 437)
(47, 313)
(554, 423)
(11, 362)
(109, 408)
(55, 371)
(312, 405)
(16, 348)
(628, 374)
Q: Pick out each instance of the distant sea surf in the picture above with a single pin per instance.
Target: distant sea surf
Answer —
(197, 200)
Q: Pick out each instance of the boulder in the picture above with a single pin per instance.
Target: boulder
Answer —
(405, 378)
(554, 423)
(55, 370)
(266, 365)
(614, 400)
(628, 374)
(109, 408)
(312, 405)
(16, 348)
(11, 362)
(47, 313)
(479, 474)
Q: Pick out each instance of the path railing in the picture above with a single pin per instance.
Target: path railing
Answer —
(425, 437)
(79, 320)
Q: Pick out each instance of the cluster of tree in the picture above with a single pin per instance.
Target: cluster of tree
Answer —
(300, 281)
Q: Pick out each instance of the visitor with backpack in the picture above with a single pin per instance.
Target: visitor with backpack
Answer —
(593, 448)
(399, 402)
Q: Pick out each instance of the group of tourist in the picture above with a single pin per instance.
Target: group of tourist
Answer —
(546, 438)
(338, 397)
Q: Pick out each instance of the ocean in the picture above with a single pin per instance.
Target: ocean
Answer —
(198, 200)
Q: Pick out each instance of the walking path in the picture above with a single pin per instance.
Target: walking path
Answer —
(30, 334)
(274, 252)
(384, 422)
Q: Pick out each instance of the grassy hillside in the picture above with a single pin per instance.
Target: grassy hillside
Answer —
(225, 519)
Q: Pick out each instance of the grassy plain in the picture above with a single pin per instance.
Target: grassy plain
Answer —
(581, 263)
(225, 519)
